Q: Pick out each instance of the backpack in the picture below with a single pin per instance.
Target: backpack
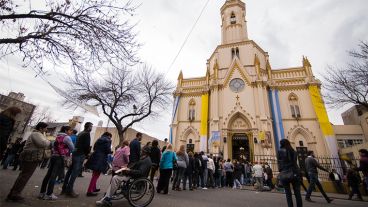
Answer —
(60, 148)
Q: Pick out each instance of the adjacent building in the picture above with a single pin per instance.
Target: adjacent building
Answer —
(130, 134)
(353, 135)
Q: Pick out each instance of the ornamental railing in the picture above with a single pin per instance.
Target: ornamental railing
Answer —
(341, 165)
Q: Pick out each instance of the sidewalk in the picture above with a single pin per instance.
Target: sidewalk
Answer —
(314, 194)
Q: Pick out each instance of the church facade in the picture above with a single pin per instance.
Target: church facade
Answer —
(243, 107)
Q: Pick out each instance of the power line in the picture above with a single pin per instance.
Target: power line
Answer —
(187, 37)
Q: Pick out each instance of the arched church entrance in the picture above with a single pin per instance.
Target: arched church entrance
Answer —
(240, 147)
(240, 135)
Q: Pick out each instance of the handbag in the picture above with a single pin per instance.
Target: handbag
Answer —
(286, 176)
(47, 153)
(68, 161)
(175, 163)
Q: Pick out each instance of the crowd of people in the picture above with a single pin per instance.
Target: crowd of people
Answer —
(202, 171)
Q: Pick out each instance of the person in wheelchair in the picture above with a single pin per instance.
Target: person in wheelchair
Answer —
(138, 170)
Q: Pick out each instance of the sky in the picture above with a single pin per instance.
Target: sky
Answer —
(287, 29)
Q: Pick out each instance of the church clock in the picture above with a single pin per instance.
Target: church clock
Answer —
(237, 85)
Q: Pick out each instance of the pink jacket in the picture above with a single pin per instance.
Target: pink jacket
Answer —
(121, 158)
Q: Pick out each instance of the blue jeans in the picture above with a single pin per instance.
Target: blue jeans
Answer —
(247, 178)
(73, 172)
(205, 177)
(313, 179)
(296, 188)
(56, 164)
(179, 174)
(8, 160)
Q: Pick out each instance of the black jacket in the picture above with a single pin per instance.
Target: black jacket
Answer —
(353, 178)
(82, 146)
(98, 159)
(237, 171)
(311, 165)
(287, 160)
(190, 167)
(140, 168)
(197, 165)
(155, 155)
(135, 151)
(363, 165)
(6, 128)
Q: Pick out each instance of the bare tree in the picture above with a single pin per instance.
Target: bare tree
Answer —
(43, 114)
(125, 97)
(349, 84)
(82, 33)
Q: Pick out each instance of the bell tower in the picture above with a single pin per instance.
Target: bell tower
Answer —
(234, 24)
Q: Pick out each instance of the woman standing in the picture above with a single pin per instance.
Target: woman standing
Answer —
(30, 157)
(196, 170)
(62, 147)
(98, 161)
(237, 174)
(166, 167)
(287, 161)
(188, 174)
(183, 161)
(155, 158)
(229, 169)
(7, 120)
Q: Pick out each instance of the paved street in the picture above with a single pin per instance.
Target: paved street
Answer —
(202, 198)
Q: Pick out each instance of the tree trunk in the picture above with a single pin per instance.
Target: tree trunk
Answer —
(121, 135)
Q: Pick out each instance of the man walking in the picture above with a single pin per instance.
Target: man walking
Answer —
(82, 149)
(311, 166)
(135, 149)
(258, 175)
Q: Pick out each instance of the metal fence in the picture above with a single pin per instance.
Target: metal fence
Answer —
(329, 163)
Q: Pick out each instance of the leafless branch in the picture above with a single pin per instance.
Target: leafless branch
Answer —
(349, 84)
(85, 34)
(124, 96)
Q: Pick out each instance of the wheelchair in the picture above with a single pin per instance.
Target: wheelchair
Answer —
(139, 192)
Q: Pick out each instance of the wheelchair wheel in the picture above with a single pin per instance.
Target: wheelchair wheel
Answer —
(141, 192)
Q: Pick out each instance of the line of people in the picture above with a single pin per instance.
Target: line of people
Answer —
(61, 149)
(200, 170)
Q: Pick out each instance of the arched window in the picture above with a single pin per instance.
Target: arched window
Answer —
(237, 52)
(191, 112)
(232, 53)
(232, 18)
(294, 106)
